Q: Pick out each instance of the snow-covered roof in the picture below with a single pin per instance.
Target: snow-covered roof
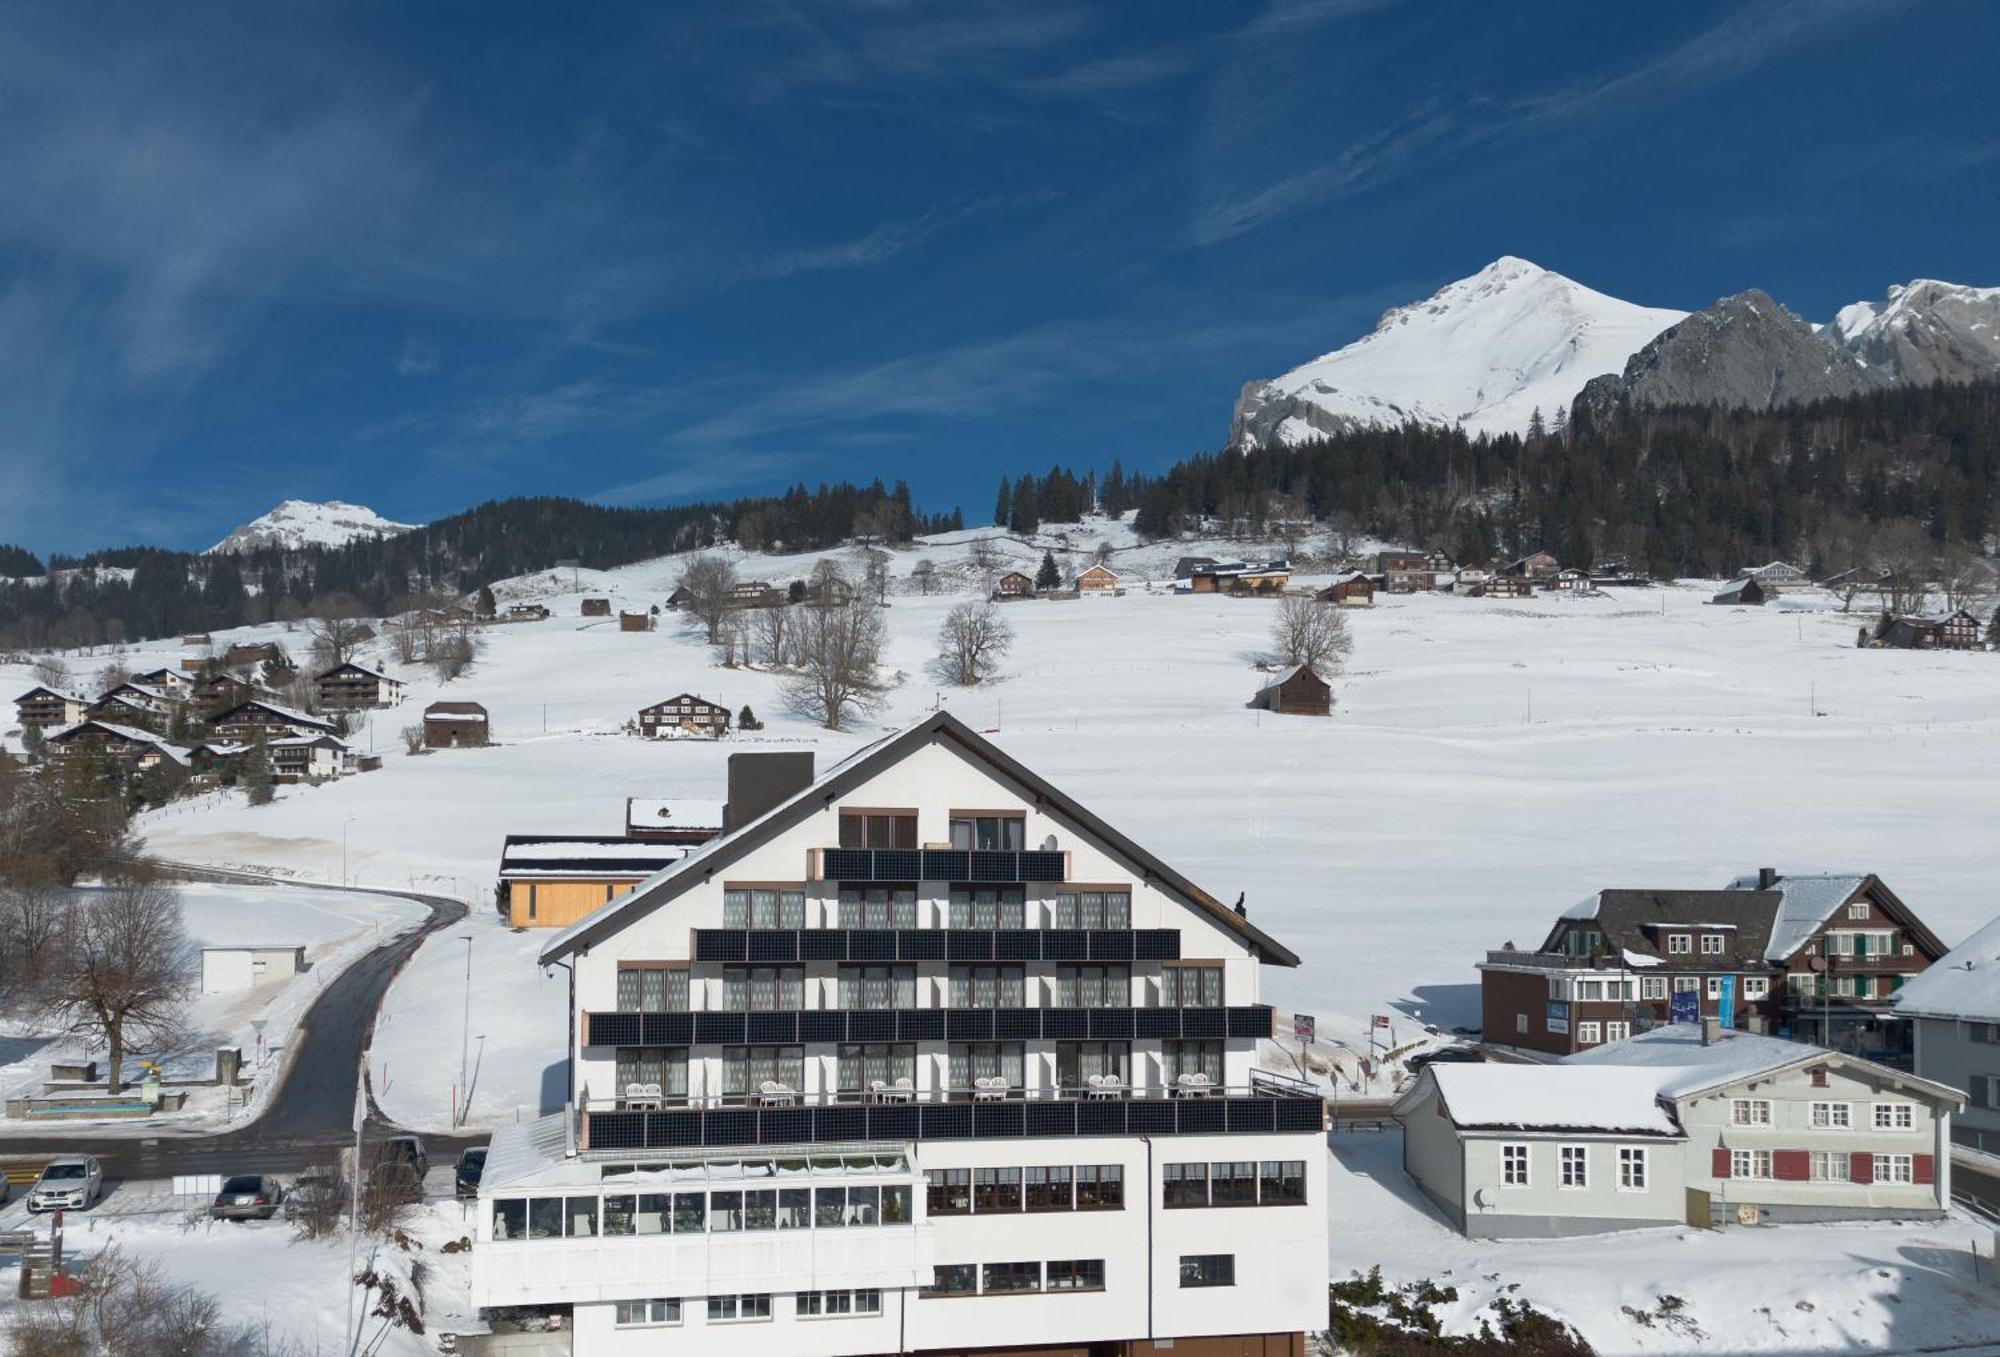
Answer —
(282, 713)
(560, 855)
(1505, 1097)
(521, 1151)
(1806, 903)
(1963, 983)
(124, 732)
(42, 688)
(1585, 908)
(667, 812)
(1286, 675)
(1636, 959)
(1683, 1065)
(376, 674)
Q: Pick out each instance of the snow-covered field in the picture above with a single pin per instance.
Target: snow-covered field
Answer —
(1796, 1288)
(335, 927)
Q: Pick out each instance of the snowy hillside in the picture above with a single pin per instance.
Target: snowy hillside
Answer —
(309, 523)
(1483, 353)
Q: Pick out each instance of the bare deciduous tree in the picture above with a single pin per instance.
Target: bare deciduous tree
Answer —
(1904, 550)
(453, 654)
(838, 652)
(51, 672)
(774, 634)
(335, 628)
(413, 739)
(1963, 577)
(924, 572)
(971, 642)
(1309, 632)
(124, 968)
(708, 581)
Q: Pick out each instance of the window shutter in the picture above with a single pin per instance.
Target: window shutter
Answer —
(1791, 1165)
(1923, 1168)
(1861, 1167)
(1719, 1162)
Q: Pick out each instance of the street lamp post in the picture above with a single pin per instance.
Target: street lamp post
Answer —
(465, 1033)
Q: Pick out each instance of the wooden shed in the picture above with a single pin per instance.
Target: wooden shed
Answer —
(456, 725)
(1742, 591)
(1297, 691)
(635, 621)
(1353, 590)
(597, 607)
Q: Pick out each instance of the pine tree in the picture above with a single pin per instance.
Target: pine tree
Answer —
(1050, 575)
(1003, 507)
(487, 605)
(1027, 515)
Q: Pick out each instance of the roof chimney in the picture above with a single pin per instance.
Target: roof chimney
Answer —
(1767, 877)
(757, 782)
(1711, 1031)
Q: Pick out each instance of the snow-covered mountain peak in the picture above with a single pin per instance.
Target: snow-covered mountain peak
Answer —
(1482, 353)
(1925, 330)
(310, 523)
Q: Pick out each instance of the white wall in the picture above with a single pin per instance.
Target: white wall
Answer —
(239, 968)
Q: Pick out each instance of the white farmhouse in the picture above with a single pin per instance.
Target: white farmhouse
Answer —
(862, 1091)
(1954, 1011)
(1684, 1123)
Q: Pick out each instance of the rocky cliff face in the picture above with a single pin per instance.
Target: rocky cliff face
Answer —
(1926, 331)
(1745, 351)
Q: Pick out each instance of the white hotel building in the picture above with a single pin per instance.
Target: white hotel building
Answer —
(918, 1057)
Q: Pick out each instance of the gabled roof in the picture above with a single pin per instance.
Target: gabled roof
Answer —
(1810, 901)
(41, 689)
(706, 859)
(549, 855)
(285, 714)
(1289, 673)
(1684, 1066)
(1630, 919)
(455, 711)
(131, 733)
(1551, 1098)
(1962, 984)
(363, 669)
(685, 697)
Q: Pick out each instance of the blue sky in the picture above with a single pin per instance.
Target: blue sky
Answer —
(417, 256)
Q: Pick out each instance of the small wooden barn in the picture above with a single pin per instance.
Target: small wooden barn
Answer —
(1352, 590)
(635, 621)
(1297, 691)
(1741, 591)
(596, 607)
(456, 725)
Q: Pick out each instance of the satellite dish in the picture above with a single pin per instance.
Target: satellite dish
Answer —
(1049, 844)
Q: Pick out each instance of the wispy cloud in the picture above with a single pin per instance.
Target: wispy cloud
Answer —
(419, 357)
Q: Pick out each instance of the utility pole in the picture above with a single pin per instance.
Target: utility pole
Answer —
(465, 1033)
(343, 847)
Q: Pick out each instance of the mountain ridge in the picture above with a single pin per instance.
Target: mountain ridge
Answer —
(296, 523)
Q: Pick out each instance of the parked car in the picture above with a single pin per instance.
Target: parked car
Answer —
(249, 1196)
(407, 1150)
(69, 1182)
(471, 1165)
(1445, 1055)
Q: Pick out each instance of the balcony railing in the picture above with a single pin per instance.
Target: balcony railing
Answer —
(941, 864)
(937, 944)
(787, 1027)
(957, 1114)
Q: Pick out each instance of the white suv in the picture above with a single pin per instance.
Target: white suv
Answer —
(70, 1182)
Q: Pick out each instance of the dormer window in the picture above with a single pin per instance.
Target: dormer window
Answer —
(1680, 944)
(1711, 944)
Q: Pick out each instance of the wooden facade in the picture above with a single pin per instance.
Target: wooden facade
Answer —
(246, 721)
(684, 713)
(635, 621)
(1349, 591)
(1299, 691)
(1738, 592)
(456, 725)
(599, 607)
(1096, 579)
(1013, 584)
(1535, 565)
(355, 687)
(45, 708)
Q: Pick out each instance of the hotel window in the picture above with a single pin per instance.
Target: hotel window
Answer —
(1100, 1187)
(948, 1192)
(746, 1069)
(1184, 1184)
(1679, 944)
(1001, 1279)
(1653, 987)
(725, 1211)
(763, 907)
(1830, 1166)
(1001, 833)
(632, 1313)
(763, 989)
(878, 907)
(988, 987)
(1077, 1274)
(1574, 1160)
(953, 1279)
(896, 1205)
(724, 1309)
(1233, 1183)
(1191, 987)
(1833, 1116)
(1631, 1168)
(1050, 1188)
(878, 987)
(830, 1304)
(972, 1060)
(878, 829)
(1094, 986)
(1749, 1163)
(1208, 1269)
(988, 907)
(1749, 1112)
(640, 1213)
(653, 991)
(1588, 1033)
(1513, 1165)
(1078, 1062)
(1192, 1057)
(664, 1067)
(1094, 909)
(1894, 1168)
(830, 1208)
(996, 1189)
(1282, 1182)
(1895, 1116)
(864, 1064)
(1711, 944)
(1756, 986)
(795, 1208)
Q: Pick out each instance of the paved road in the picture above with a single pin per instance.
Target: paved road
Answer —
(312, 1111)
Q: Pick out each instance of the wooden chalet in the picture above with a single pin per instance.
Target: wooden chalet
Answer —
(456, 725)
(831, 592)
(159, 701)
(44, 708)
(1352, 590)
(1568, 580)
(356, 687)
(755, 594)
(553, 880)
(1958, 631)
(1297, 691)
(527, 612)
(664, 819)
(1013, 585)
(1777, 576)
(120, 709)
(246, 655)
(684, 714)
(222, 689)
(197, 638)
(247, 721)
(1505, 586)
(1405, 572)
(1535, 565)
(177, 684)
(601, 607)
(140, 749)
(1098, 580)
(1741, 591)
(635, 621)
